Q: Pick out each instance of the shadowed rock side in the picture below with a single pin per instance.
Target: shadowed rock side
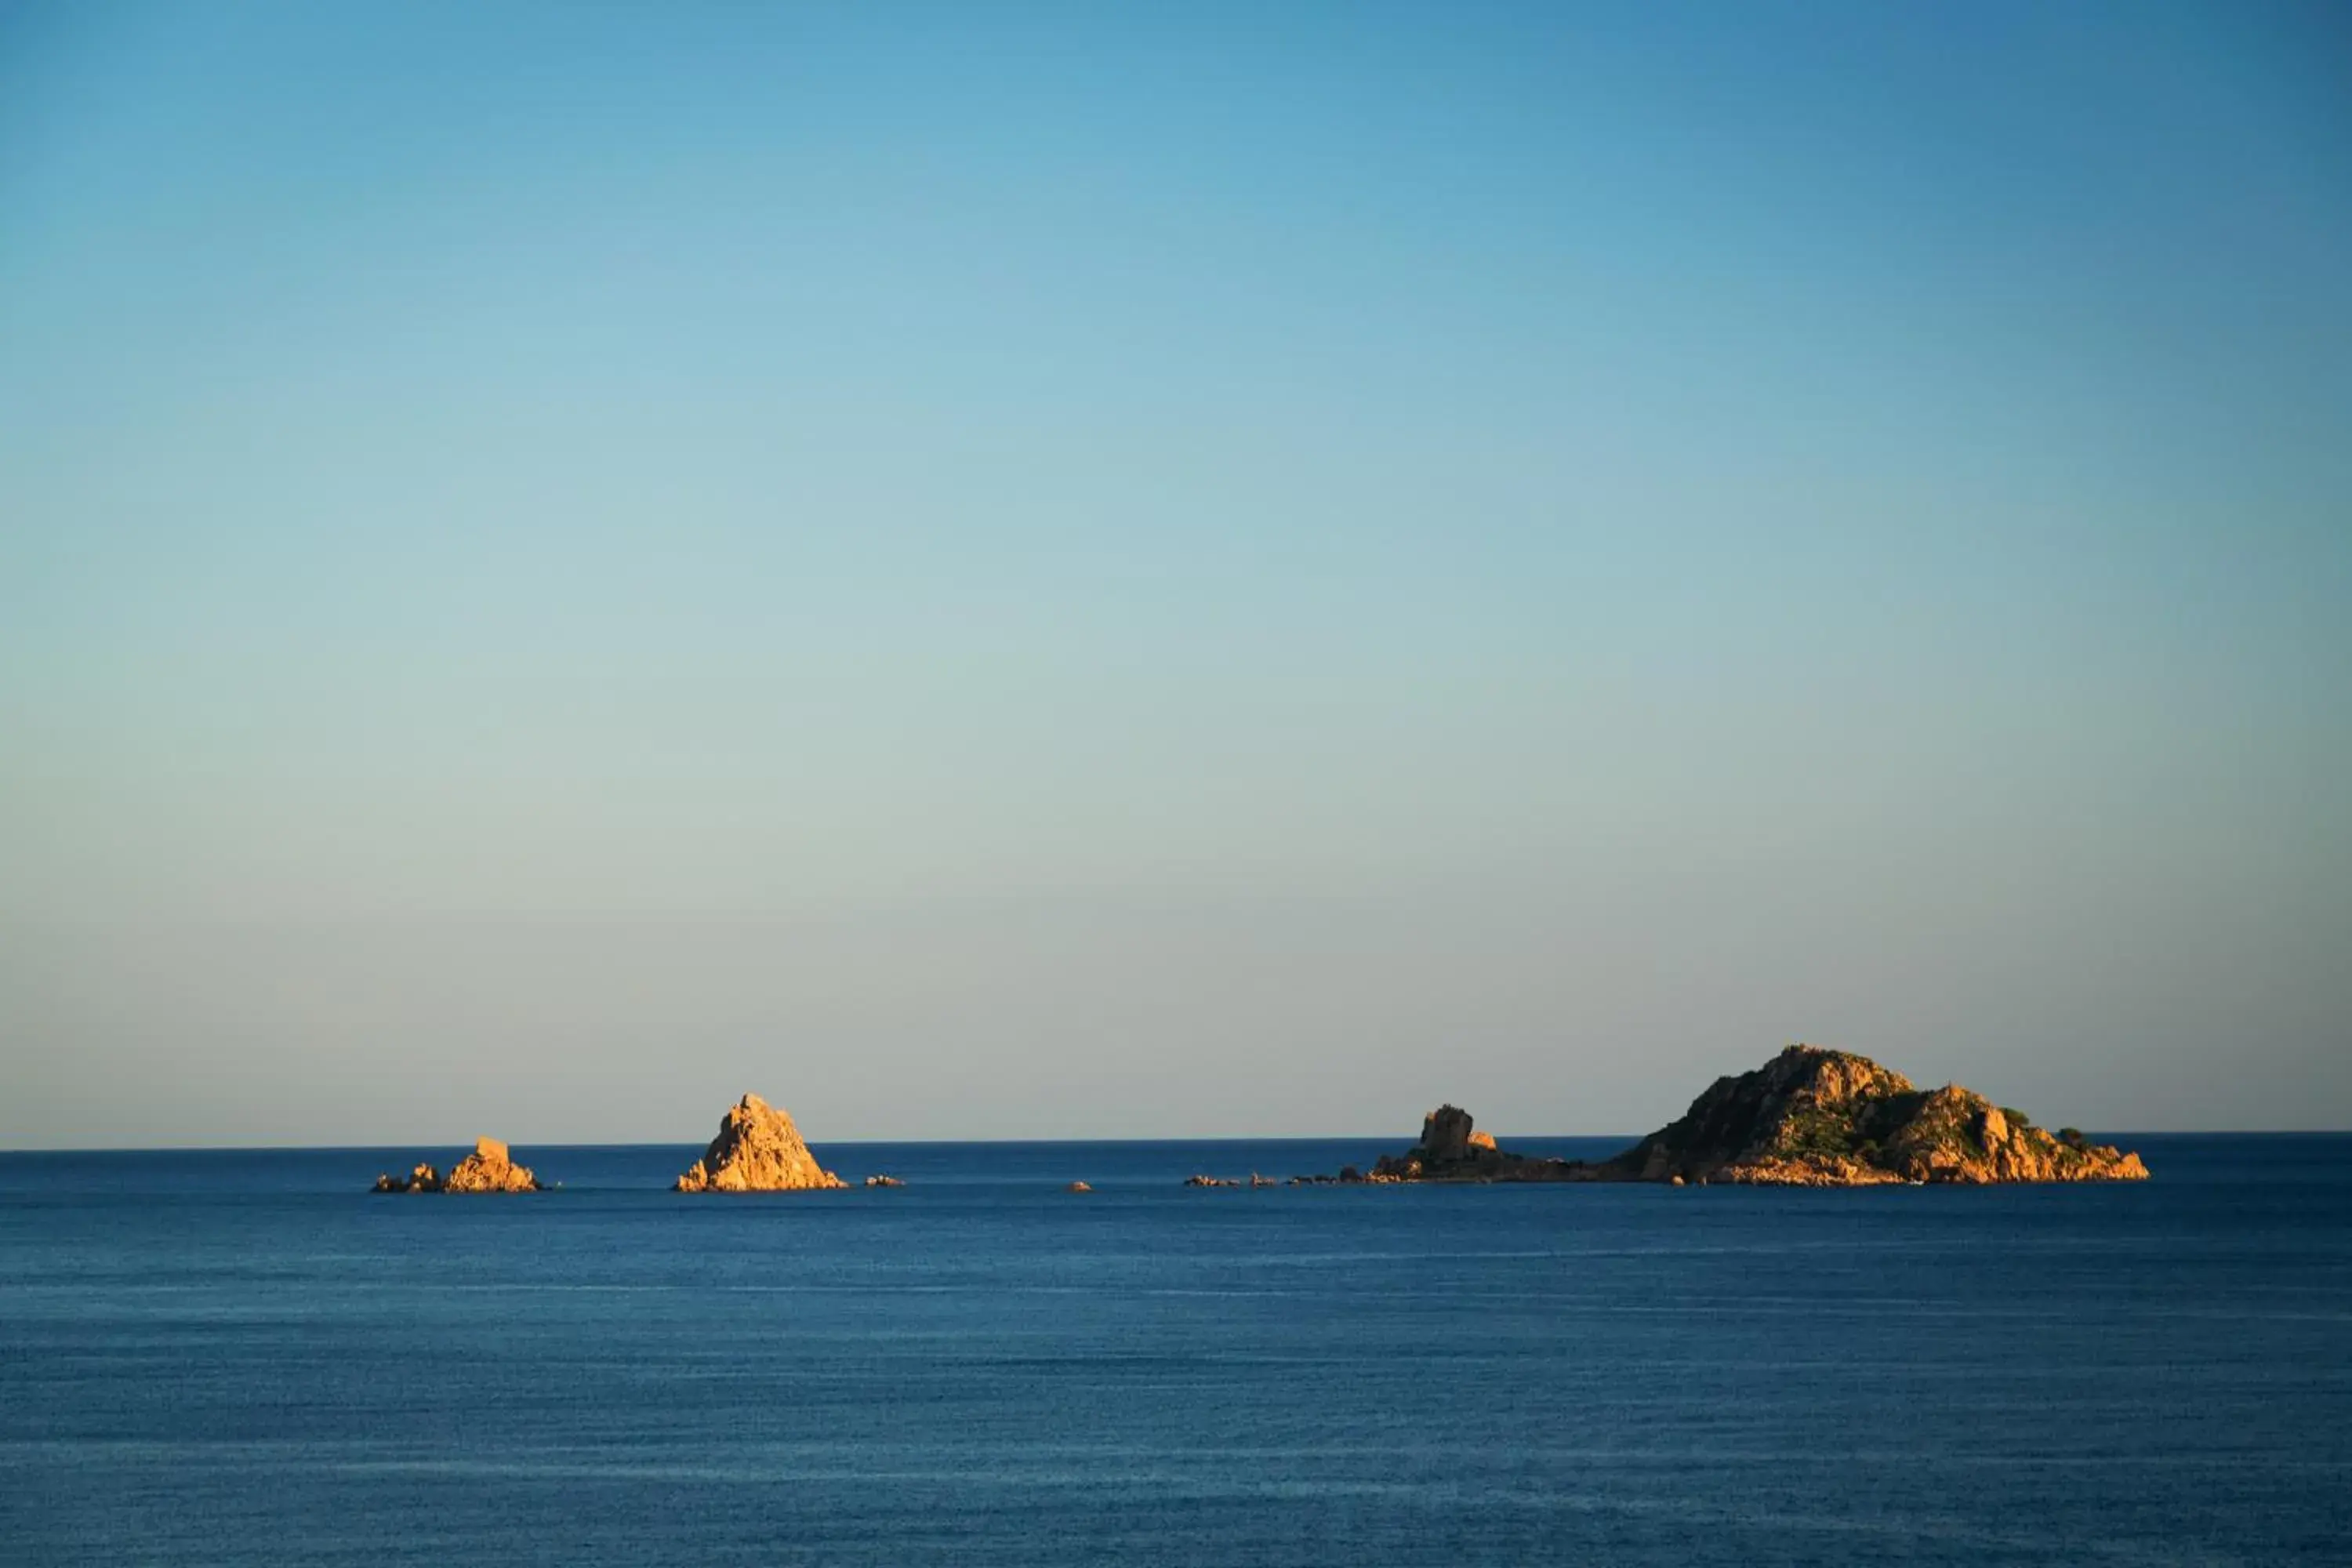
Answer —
(758, 1150)
(1828, 1119)
(1807, 1117)
(488, 1169)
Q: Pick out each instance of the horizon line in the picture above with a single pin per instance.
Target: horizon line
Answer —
(966, 1142)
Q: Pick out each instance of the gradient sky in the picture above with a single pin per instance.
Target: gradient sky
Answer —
(1100, 571)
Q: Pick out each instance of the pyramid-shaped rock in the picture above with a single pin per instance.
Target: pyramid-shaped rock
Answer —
(758, 1150)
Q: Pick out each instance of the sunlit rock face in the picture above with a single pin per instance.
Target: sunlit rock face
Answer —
(488, 1169)
(758, 1150)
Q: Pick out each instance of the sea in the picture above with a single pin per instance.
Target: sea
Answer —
(246, 1358)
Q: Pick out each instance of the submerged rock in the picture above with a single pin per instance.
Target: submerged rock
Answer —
(758, 1150)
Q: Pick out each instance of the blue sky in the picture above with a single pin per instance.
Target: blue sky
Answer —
(1063, 571)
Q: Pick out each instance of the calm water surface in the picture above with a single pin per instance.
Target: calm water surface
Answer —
(243, 1358)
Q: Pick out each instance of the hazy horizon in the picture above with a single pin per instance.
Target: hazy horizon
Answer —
(1221, 571)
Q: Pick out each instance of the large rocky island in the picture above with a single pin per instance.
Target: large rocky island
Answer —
(488, 1169)
(758, 1150)
(1815, 1118)
(1807, 1118)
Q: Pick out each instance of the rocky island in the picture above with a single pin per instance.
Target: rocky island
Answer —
(1814, 1118)
(758, 1150)
(1807, 1118)
(488, 1169)
(1452, 1150)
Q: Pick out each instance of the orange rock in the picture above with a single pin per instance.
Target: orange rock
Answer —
(758, 1150)
(490, 1169)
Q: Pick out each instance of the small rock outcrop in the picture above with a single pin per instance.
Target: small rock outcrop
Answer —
(1452, 1150)
(422, 1179)
(1817, 1117)
(488, 1169)
(884, 1182)
(1077, 1187)
(758, 1150)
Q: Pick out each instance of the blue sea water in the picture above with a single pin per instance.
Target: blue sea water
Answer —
(244, 1358)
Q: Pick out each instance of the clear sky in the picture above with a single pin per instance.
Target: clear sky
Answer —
(1119, 571)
